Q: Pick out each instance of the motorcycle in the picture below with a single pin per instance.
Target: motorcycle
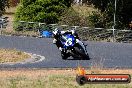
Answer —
(73, 47)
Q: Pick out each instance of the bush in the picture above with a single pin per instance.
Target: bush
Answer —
(79, 17)
(96, 19)
(123, 12)
(44, 11)
(3, 5)
(73, 18)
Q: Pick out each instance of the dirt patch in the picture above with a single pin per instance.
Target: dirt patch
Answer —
(12, 55)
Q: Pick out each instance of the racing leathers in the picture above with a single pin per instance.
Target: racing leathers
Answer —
(57, 33)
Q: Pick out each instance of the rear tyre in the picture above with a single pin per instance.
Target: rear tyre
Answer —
(64, 55)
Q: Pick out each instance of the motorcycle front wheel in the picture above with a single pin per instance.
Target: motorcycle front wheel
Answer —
(81, 53)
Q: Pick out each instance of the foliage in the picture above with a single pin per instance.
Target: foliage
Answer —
(47, 11)
(101, 4)
(13, 3)
(79, 16)
(71, 17)
(3, 5)
(96, 19)
(123, 11)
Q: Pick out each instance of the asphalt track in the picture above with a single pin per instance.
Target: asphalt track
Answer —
(108, 55)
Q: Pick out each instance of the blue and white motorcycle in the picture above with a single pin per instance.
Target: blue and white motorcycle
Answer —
(72, 47)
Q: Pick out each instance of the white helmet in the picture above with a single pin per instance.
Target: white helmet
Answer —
(73, 31)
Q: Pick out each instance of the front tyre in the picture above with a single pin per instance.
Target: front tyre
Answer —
(80, 51)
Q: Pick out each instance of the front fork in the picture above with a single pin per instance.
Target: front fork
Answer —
(71, 50)
(82, 44)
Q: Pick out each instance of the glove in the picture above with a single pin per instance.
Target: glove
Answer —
(54, 41)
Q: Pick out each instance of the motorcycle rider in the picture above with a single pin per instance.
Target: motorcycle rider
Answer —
(65, 52)
(57, 33)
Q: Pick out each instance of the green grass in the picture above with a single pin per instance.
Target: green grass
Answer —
(52, 81)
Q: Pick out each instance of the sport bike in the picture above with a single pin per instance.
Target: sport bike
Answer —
(73, 47)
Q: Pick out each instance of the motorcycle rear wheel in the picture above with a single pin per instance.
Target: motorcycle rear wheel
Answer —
(64, 55)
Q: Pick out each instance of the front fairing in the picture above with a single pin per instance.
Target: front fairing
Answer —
(67, 40)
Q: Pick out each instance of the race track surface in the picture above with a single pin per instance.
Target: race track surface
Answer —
(112, 55)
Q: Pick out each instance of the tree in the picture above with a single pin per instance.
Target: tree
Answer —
(47, 11)
(13, 3)
(123, 12)
(3, 4)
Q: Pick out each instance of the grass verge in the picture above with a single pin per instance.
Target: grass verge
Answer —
(52, 79)
(12, 55)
